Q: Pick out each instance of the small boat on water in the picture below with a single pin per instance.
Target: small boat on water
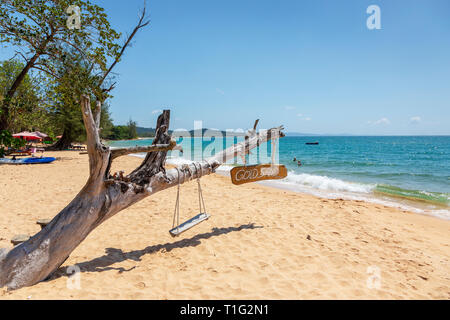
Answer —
(27, 160)
(312, 143)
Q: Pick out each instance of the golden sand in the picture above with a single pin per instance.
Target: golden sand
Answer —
(260, 243)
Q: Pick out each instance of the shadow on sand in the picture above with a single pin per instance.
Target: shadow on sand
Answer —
(114, 255)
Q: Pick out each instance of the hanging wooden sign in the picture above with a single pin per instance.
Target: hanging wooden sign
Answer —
(246, 174)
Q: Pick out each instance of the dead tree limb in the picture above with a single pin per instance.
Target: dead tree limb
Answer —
(115, 153)
(105, 195)
(143, 22)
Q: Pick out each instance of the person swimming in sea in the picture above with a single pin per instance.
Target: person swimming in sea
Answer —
(295, 159)
(299, 163)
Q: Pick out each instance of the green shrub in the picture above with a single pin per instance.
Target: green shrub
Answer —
(8, 141)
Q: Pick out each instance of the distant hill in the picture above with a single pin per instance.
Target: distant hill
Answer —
(145, 132)
(150, 132)
(301, 134)
(214, 132)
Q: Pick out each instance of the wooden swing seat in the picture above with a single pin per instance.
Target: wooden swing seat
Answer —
(189, 224)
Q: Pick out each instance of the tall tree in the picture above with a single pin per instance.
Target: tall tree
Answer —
(74, 77)
(132, 129)
(25, 106)
(80, 74)
(38, 30)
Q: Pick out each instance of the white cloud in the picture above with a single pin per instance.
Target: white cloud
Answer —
(220, 91)
(289, 107)
(157, 111)
(302, 117)
(382, 121)
(415, 120)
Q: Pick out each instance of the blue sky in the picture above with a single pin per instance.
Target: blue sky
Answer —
(312, 66)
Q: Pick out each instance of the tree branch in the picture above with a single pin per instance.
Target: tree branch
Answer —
(141, 24)
(98, 114)
(96, 150)
(115, 153)
(154, 161)
(194, 170)
(45, 71)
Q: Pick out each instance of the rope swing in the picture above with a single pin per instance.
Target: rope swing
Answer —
(178, 228)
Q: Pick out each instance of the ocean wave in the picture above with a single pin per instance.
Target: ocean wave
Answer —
(327, 187)
(416, 195)
(326, 183)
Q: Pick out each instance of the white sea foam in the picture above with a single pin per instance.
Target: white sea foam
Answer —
(327, 184)
(331, 188)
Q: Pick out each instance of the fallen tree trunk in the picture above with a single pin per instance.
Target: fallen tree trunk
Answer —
(104, 195)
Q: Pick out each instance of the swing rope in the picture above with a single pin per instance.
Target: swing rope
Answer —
(176, 215)
(200, 193)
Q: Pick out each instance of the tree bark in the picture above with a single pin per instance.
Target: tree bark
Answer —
(105, 195)
(62, 144)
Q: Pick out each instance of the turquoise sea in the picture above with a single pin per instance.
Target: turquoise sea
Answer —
(407, 172)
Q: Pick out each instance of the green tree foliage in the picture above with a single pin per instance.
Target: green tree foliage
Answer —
(145, 132)
(28, 109)
(132, 132)
(8, 141)
(127, 132)
(38, 30)
(75, 77)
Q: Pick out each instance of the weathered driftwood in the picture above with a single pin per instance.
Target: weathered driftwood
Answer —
(105, 195)
(115, 153)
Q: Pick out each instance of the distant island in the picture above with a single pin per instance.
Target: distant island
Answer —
(301, 134)
(150, 132)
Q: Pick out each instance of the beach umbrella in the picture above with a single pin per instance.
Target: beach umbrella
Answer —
(40, 134)
(27, 136)
(44, 136)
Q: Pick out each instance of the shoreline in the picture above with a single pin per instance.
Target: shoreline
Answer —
(329, 196)
(441, 212)
(260, 243)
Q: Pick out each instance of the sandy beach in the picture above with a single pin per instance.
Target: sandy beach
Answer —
(260, 243)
